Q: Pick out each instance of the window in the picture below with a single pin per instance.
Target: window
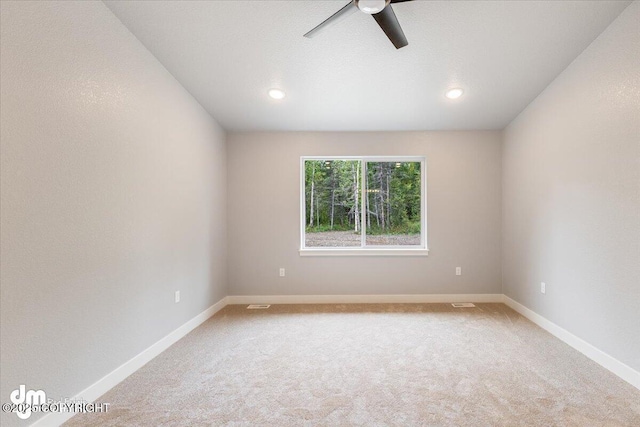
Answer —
(363, 206)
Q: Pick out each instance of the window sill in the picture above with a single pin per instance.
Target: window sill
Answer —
(364, 252)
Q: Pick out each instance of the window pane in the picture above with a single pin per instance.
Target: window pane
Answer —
(332, 203)
(393, 203)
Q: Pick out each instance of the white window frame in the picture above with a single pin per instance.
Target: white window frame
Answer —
(363, 250)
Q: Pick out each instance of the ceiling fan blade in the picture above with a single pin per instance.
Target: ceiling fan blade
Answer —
(334, 19)
(399, 1)
(389, 23)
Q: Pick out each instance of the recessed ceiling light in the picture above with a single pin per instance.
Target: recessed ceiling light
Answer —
(454, 93)
(276, 93)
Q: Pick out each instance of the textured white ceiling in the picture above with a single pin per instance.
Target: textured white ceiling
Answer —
(229, 53)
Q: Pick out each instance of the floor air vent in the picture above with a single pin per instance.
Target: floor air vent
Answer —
(258, 306)
(463, 304)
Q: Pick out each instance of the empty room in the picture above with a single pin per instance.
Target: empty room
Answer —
(320, 213)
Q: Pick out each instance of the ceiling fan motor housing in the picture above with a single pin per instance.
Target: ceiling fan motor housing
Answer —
(372, 6)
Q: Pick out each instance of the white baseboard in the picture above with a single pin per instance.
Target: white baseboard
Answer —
(100, 387)
(362, 299)
(620, 369)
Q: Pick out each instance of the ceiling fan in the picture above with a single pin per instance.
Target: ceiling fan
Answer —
(381, 11)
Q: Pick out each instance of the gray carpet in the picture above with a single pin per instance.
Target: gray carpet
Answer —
(370, 365)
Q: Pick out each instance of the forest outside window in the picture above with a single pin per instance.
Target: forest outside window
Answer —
(363, 206)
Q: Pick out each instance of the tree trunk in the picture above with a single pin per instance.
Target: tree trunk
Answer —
(368, 211)
(333, 194)
(377, 213)
(356, 180)
(313, 179)
(388, 199)
(383, 217)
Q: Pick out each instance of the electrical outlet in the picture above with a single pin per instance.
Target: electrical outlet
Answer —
(281, 272)
(177, 296)
(458, 271)
(543, 287)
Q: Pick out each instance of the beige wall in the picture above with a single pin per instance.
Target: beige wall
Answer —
(463, 214)
(571, 200)
(113, 184)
